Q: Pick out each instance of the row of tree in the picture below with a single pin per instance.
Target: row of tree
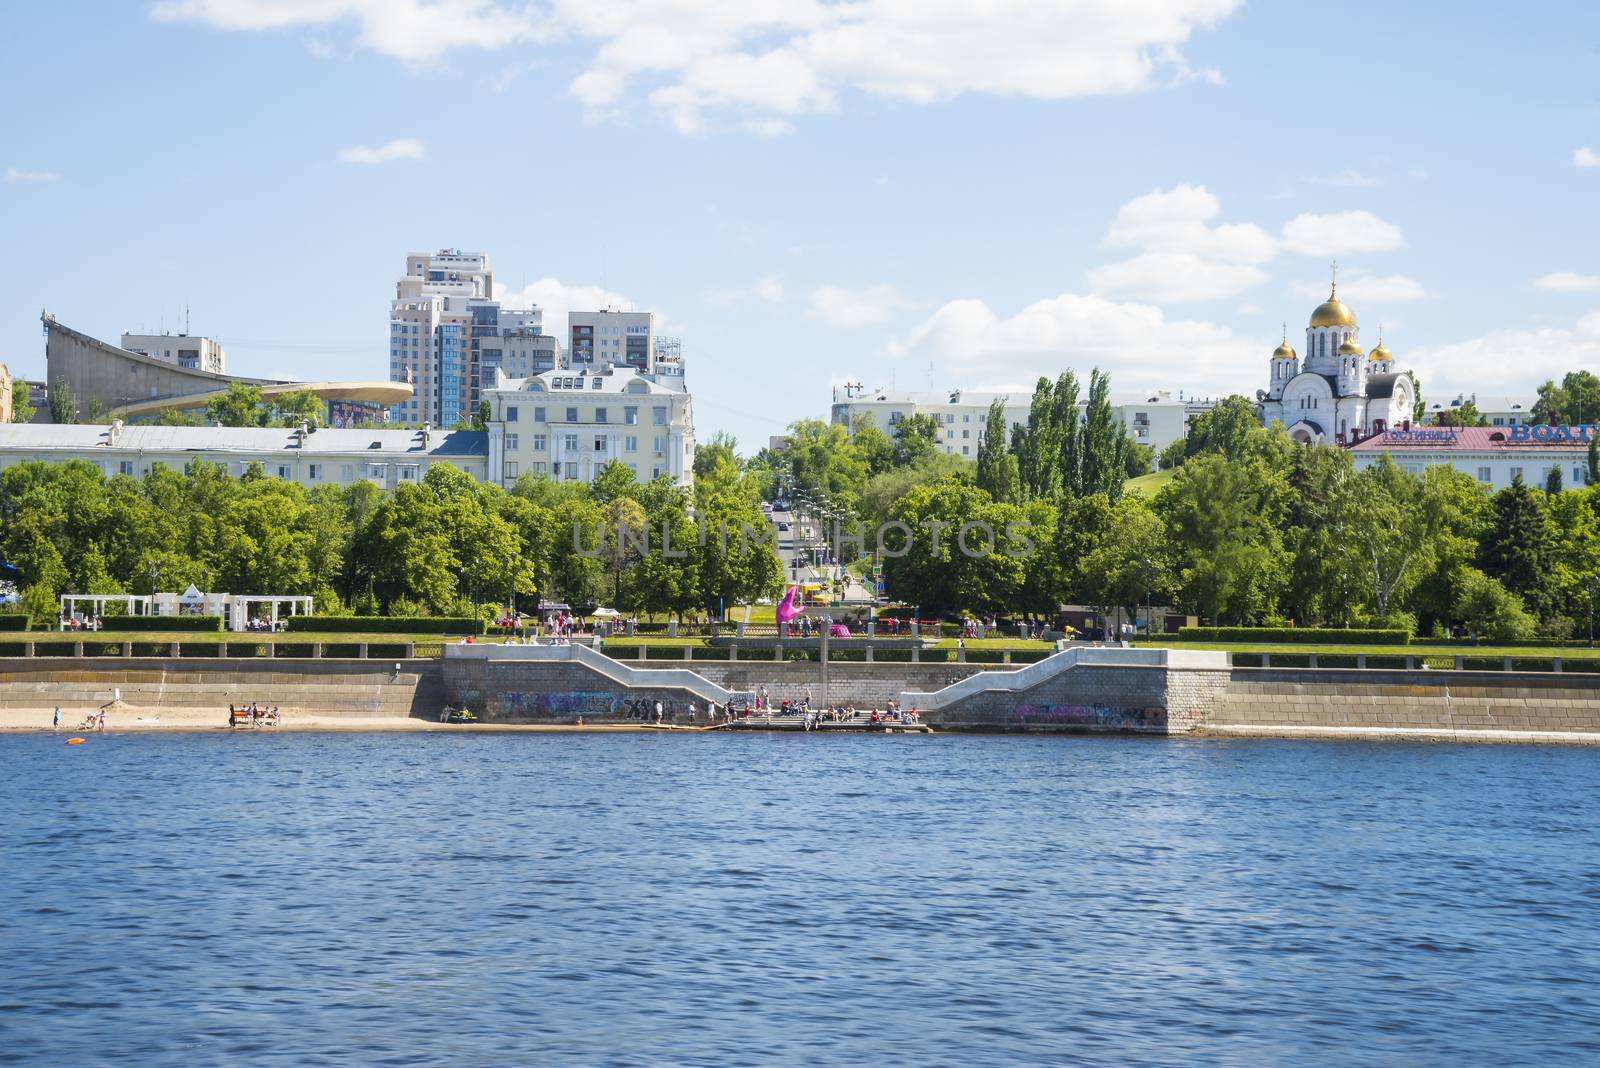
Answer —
(434, 547)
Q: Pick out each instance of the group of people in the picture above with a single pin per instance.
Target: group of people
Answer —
(83, 623)
(265, 623)
(94, 721)
(812, 718)
(252, 715)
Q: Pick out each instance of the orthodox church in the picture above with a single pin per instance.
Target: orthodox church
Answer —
(1337, 394)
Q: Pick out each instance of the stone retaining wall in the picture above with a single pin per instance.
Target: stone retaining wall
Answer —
(511, 691)
(1092, 697)
(353, 688)
(1409, 700)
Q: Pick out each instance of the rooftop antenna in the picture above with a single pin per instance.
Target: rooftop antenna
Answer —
(186, 318)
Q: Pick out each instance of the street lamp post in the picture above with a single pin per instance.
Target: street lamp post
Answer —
(512, 562)
(1589, 582)
(1147, 617)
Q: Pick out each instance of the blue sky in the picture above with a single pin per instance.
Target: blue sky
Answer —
(938, 193)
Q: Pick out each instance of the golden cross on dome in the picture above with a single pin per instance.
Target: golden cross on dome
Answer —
(1334, 270)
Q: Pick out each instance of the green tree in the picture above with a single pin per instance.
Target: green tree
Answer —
(1518, 547)
(1105, 442)
(61, 409)
(1464, 414)
(21, 410)
(239, 405)
(1489, 610)
(875, 447)
(1068, 435)
(914, 438)
(1224, 522)
(1419, 407)
(1575, 400)
(997, 471)
(300, 406)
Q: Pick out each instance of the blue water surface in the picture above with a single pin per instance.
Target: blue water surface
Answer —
(266, 899)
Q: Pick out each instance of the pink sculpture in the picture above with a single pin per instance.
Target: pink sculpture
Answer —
(787, 610)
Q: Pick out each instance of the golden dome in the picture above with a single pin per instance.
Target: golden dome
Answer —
(1379, 353)
(1283, 352)
(1333, 312)
(1350, 348)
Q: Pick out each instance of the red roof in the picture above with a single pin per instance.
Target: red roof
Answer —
(1469, 439)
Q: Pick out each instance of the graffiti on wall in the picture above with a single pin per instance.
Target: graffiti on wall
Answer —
(1153, 718)
(590, 704)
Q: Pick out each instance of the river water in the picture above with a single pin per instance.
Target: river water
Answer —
(215, 899)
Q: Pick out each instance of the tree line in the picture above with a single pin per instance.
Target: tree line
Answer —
(437, 546)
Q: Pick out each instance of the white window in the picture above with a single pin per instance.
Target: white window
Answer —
(600, 415)
(658, 416)
(511, 443)
(538, 415)
(630, 443)
(511, 413)
(538, 467)
(599, 443)
(1516, 472)
(1485, 474)
(378, 472)
(283, 470)
(538, 443)
(347, 472)
(571, 443)
(408, 472)
(125, 467)
(313, 471)
(630, 415)
(572, 470)
(511, 469)
(634, 468)
(572, 415)
(658, 445)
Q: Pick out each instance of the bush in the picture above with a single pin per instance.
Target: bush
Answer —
(202, 624)
(385, 625)
(1294, 635)
(15, 621)
(1489, 609)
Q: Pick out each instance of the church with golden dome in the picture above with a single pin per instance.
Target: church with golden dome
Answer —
(1336, 394)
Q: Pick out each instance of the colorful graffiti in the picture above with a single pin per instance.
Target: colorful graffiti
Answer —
(1153, 718)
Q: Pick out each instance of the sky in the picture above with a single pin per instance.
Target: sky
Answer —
(916, 194)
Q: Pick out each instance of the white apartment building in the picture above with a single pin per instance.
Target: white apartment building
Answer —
(1494, 455)
(568, 423)
(181, 350)
(1497, 409)
(1153, 419)
(5, 395)
(325, 457)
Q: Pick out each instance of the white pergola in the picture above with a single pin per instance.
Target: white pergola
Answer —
(238, 609)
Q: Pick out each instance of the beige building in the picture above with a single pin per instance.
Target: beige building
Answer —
(567, 424)
(190, 353)
(6, 414)
(325, 457)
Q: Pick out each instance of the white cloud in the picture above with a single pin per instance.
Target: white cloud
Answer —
(14, 174)
(1174, 276)
(1340, 231)
(1136, 343)
(1586, 157)
(557, 298)
(1349, 177)
(400, 148)
(1568, 282)
(1177, 220)
(1356, 284)
(837, 306)
(417, 31)
(1508, 361)
(768, 288)
(777, 59)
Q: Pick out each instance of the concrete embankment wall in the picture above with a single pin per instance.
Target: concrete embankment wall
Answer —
(1273, 699)
(350, 688)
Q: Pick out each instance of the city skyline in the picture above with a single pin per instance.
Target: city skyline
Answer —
(819, 197)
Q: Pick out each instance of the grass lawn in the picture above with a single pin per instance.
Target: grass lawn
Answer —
(1290, 649)
(1148, 486)
(147, 637)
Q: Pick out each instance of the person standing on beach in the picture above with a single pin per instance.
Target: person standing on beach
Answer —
(55, 720)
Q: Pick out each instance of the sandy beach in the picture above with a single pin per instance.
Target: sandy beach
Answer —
(121, 720)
